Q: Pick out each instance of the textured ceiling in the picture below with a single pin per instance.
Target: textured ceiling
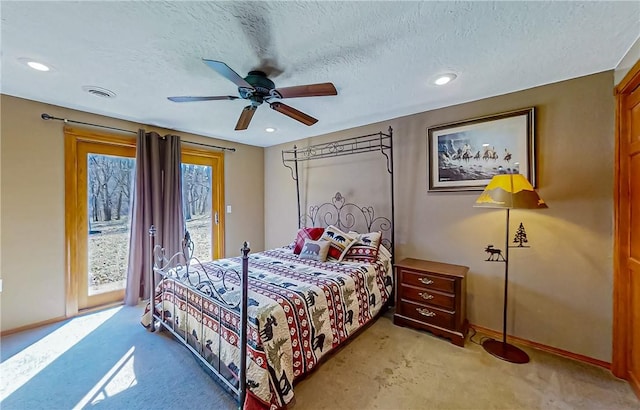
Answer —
(381, 56)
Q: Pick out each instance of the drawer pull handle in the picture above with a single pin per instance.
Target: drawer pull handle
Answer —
(425, 281)
(425, 312)
(425, 296)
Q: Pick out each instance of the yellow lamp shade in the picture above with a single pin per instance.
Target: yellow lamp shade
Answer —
(511, 191)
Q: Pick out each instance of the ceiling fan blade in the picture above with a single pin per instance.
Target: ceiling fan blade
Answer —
(190, 99)
(245, 117)
(309, 90)
(257, 24)
(225, 71)
(293, 113)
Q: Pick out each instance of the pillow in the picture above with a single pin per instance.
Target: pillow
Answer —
(365, 249)
(340, 242)
(384, 251)
(306, 233)
(315, 250)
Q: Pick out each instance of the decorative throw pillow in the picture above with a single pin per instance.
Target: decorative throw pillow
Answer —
(315, 250)
(340, 242)
(306, 233)
(365, 249)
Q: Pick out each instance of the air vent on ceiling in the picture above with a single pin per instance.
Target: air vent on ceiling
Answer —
(98, 91)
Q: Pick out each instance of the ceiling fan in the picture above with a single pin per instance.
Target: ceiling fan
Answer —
(258, 88)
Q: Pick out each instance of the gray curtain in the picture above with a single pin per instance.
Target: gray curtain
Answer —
(157, 200)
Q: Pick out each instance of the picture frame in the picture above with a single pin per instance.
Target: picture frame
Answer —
(465, 155)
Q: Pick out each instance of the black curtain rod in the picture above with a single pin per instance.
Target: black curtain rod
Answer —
(45, 116)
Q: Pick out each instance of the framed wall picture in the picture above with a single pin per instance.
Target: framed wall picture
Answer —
(465, 155)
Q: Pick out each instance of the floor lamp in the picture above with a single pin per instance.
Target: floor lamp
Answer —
(507, 191)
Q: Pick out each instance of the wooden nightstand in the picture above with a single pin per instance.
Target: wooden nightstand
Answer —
(431, 296)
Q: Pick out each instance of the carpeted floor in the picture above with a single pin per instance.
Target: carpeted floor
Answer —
(107, 360)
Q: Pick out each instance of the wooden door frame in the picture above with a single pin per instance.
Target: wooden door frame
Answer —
(216, 161)
(72, 137)
(621, 280)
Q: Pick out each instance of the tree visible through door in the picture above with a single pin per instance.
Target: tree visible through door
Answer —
(99, 170)
(109, 187)
(202, 201)
(104, 185)
(196, 201)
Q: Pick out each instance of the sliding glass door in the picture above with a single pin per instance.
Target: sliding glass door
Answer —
(105, 178)
(202, 200)
(99, 175)
(99, 178)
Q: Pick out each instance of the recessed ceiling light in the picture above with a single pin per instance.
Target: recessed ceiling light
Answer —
(444, 79)
(37, 66)
(270, 129)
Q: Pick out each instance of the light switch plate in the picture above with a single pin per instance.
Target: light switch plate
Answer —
(228, 209)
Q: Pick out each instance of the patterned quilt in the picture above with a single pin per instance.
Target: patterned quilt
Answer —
(299, 310)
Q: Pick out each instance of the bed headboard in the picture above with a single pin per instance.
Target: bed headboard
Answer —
(348, 216)
(339, 212)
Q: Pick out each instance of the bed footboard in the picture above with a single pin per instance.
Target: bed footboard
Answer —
(173, 282)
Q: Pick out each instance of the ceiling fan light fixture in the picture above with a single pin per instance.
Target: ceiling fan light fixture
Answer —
(445, 79)
(257, 88)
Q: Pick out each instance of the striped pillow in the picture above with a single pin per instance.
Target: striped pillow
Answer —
(340, 242)
(365, 249)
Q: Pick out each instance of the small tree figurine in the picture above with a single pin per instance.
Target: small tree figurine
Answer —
(521, 236)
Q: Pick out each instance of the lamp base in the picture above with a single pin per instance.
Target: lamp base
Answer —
(505, 351)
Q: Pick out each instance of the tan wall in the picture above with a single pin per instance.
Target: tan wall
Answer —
(32, 210)
(561, 287)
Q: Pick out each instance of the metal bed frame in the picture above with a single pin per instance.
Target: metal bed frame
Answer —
(338, 212)
(177, 267)
(380, 141)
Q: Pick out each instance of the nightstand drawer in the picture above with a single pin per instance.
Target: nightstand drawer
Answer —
(428, 314)
(422, 280)
(421, 295)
